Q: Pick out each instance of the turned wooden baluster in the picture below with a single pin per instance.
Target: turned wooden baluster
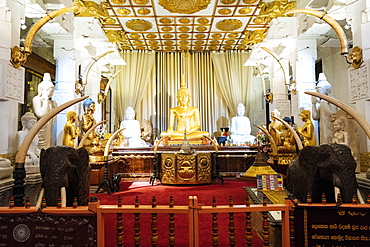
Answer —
(59, 202)
(137, 234)
(354, 199)
(309, 198)
(119, 226)
(265, 224)
(171, 225)
(214, 224)
(323, 198)
(11, 202)
(248, 224)
(368, 199)
(231, 224)
(154, 226)
(291, 228)
(28, 202)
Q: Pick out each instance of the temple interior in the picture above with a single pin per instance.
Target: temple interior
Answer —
(201, 82)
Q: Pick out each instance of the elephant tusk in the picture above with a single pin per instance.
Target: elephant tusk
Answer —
(39, 199)
(157, 144)
(63, 196)
(273, 144)
(22, 152)
(295, 135)
(89, 66)
(274, 55)
(81, 144)
(357, 117)
(106, 150)
(214, 144)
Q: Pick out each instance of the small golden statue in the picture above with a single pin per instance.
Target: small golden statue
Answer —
(70, 131)
(276, 128)
(187, 120)
(356, 57)
(307, 131)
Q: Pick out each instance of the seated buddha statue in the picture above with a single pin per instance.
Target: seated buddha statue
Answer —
(241, 127)
(132, 131)
(70, 131)
(185, 118)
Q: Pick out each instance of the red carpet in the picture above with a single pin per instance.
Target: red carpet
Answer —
(145, 191)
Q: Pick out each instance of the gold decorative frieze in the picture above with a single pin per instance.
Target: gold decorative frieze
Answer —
(168, 36)
(229, 24)
(232, 35)
(135, 36)
(201, 29)
(151, 36)
(224, 11)
(141, 2)
(216, 36)
(153, 42)
(184, 29)
(92, 9)
(165, 21)
(168, 42)
(184, 48)
(169, 48)
(184, 21)
(184, 42)
(144, 11)
(200, 36)
(184, 7)
(215, 42)
(254, 37)
(167, 29)
(139, 25)
(118, 1)
(184, 36)
(227, 47)
(154, 47)
(213, 48)
(227, 1)
(245, 11)
(199, 42)
(123, 11)
(269, 11)
(203, 21)
(137, 42)
(230, 42)
(115, 36)
(250, 1)
(198, 48)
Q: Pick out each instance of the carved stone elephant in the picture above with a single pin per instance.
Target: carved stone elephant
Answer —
(318, 170)
(64, 166)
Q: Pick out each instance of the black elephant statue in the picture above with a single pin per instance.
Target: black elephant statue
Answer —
(65, 167)
(318, 170)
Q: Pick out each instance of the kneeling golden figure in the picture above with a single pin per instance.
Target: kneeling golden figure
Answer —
(187, 120)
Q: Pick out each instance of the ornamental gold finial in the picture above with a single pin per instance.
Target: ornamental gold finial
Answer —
(183, 83)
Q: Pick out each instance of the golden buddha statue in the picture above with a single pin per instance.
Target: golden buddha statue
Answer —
(70, 131)
(307, 131)
(187, 120)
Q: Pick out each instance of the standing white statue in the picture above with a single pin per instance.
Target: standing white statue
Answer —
(132, 131)
(241, 127)
(33, 152)
(42, 104)
(322, 110)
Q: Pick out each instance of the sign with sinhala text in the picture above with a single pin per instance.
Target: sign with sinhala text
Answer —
(331, 226)
(49, 230)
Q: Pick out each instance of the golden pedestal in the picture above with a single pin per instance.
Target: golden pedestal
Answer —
(186, 168)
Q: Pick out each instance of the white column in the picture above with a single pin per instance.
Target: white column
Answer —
(64, 54)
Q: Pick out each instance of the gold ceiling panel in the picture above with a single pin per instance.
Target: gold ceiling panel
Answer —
(187, 25)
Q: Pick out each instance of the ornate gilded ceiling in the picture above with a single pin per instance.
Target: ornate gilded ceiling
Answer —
(194, 25)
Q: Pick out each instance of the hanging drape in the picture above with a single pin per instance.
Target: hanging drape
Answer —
(159, 90)
(133, 80)
(233, 78)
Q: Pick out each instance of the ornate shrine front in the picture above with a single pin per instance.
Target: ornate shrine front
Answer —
(178, 168)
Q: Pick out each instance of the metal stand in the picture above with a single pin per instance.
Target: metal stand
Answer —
(18, 188)
(105, 183)
(156, 173)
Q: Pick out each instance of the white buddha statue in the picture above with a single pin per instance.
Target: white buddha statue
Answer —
(132, 131)
(241, 127)
(32, 159)
(42, 104)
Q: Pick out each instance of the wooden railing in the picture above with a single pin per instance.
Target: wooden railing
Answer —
(192, 210)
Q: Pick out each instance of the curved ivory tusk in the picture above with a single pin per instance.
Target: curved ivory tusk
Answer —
(21, 154)
(81, 144)
(323, 16)
(31, 34)
(274, 55)
(273, 144)
(106, 150)
(39, 199)
(357, 117)
(295, 135)
(156, 145)
(109, 83)
(213, 143)
(90, 64)
(63, 196)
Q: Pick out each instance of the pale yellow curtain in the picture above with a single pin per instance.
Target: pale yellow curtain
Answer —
(133, 81)
(233, 79)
